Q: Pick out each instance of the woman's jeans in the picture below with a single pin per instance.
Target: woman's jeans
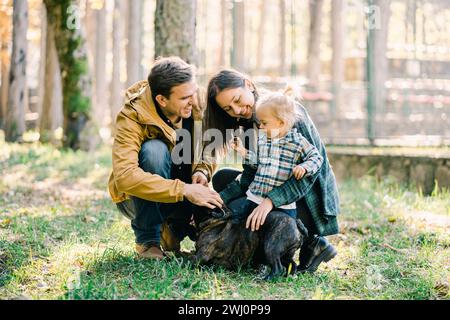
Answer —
(224, 176)
(147, 216)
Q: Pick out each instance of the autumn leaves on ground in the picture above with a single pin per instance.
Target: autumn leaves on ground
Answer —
(62, 238)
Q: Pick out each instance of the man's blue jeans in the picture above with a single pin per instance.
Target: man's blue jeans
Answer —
(147, 216)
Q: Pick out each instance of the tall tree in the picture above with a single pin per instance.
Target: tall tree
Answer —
(410, 21)
(15, 120)
(282, 38)
(51, 116)
(313, 70)
(238, 53)
(380, 42)
(89, 22)
(64, 17)
(42, 60)
(116, 84)
(223, 33)
(261, 34)
(377, 62)
(337, 42)
(101, 100)
(134, 48)
(175, 23)
(4, 64)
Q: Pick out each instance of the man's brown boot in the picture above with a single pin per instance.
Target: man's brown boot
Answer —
(149, 251)
(168, 240)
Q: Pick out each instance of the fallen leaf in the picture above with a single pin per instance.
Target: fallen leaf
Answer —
(79, 262)
(5, 223)
(442, 289)
(392, 219)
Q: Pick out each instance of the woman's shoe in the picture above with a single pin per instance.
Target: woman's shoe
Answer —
(314, 252)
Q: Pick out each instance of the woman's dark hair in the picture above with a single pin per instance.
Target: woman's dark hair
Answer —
(167, 73)
(215, 117)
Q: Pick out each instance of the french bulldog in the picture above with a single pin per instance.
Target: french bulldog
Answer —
(231, 245)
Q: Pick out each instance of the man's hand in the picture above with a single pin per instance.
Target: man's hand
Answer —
(299, 172)
(199, 178)
(259, 215)
(202, 196)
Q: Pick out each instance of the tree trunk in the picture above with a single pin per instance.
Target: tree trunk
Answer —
(4, 65)
(15, 121)
(51, 115)
(380, 54)
(238, 56)
(42, 58)
(91, 34)
(315, 9)
(410, 21)
(282, 38)
(261, 35)
(101, 99)
(337, 42)
(116, 97)
(377, 63)
(175, 23)
(5, 85)
(70, 40)
(134, 48)
(223, 33)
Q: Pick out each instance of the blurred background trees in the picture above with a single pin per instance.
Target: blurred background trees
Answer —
(17, 92)
(370, 71)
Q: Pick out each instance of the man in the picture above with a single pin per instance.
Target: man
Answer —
(147, 185)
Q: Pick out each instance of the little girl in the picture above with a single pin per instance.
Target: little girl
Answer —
(281, 152)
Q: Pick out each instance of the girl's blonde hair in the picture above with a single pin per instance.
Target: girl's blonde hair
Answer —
(282, 105)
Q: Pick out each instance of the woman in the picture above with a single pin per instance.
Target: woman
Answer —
(230, 105)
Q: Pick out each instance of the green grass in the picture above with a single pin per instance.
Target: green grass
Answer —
(62, 238)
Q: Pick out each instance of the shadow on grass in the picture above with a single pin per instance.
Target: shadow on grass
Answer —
(398, 257)
(121, 275)
(94, 259)
(30, 238)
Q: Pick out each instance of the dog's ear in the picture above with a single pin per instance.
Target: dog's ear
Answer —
(201, 214)
(221, 213)
(301, 227)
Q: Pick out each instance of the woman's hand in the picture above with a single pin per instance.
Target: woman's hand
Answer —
(238, 146)
(299, 172)
(199, 178)
(259, 215)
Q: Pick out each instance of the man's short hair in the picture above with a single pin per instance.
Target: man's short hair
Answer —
(167, 73)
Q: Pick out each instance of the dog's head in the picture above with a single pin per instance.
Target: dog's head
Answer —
(204, 216)
(222, 242)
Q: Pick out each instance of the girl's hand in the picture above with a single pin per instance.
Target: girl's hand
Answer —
(259, 215)
(299, 172)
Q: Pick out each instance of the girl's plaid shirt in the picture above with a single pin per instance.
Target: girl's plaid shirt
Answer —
(275, 160)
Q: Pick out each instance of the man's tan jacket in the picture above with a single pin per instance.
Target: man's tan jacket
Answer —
(137, 122)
